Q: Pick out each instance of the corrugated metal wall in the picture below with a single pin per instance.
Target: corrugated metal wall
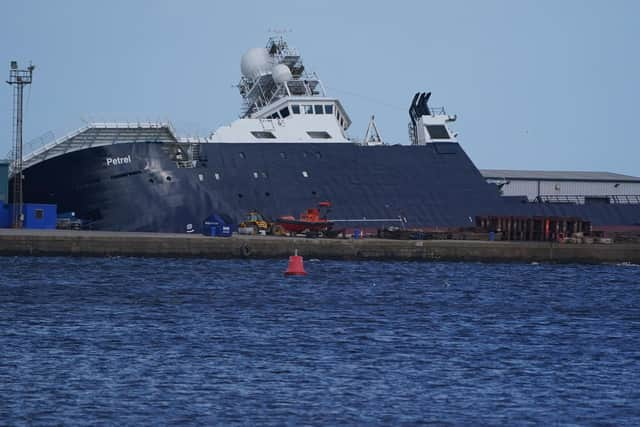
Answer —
(532, 188)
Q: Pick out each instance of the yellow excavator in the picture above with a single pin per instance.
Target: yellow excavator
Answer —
(255, 220)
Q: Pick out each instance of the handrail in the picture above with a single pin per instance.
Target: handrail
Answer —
(581, 198)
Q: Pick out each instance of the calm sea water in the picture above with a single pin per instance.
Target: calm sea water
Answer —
(148, 341)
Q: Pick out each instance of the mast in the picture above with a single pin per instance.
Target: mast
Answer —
(372, 136)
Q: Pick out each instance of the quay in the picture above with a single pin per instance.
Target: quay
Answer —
(15, 242)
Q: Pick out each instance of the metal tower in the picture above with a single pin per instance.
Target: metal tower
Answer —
(18, 79)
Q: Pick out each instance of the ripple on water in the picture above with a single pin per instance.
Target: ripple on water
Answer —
(143, 341)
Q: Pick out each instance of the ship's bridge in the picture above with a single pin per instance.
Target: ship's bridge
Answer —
(308, 106)
(290, 119)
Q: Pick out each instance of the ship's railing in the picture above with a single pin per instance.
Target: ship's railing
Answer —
(193, 140)
(132, 125)
(626, 198)
(67, 143)
(438, 111)
(39, 141)
(32, 145)
(263, 93)
(580, 199)
(48, 139)
(38, 152)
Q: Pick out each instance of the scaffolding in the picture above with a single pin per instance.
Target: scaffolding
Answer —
(18, 79)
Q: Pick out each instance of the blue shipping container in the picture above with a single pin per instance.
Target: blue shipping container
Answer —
(40, 216)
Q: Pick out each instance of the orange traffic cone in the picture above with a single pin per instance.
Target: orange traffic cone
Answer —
(296, 267)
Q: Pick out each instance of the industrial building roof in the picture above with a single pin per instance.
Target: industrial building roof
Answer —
(557, 175)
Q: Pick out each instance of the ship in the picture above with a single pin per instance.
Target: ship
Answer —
(288, 150)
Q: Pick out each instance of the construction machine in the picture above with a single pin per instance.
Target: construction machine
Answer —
(255, 220)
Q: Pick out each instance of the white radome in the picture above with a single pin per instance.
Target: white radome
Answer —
(281, 73)
(255, 62)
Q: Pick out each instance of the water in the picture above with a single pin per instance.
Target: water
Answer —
(143, 341)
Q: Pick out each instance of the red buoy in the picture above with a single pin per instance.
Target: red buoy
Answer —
(296, 267)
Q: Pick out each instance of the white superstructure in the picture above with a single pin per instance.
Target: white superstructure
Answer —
(429, 124)
(282, 102)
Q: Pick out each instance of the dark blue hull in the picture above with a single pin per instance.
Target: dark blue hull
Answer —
(434, 185)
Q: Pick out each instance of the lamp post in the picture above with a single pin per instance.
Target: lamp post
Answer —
(18, 79)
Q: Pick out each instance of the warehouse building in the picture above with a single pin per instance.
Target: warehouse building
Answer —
(568, 187)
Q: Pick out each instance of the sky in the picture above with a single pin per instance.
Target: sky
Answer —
(539, 84)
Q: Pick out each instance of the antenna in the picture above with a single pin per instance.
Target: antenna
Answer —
(18, 79)
(279, 31)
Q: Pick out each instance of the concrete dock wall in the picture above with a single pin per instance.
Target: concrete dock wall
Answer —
(96, 243)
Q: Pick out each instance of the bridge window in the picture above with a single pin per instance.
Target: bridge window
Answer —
(284, 112)
(319, 134)
(308, 109)
(295, 109)
(318, 109)
(262, 135)
(438, 132)
(328, 109)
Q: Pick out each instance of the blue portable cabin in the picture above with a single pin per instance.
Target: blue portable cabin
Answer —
(39, 216)
(217, 225)
(36, 215)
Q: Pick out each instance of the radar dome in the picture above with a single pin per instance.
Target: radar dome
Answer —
(281, 73)
(255, 62)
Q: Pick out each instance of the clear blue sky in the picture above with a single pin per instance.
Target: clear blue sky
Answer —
(548, 85)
